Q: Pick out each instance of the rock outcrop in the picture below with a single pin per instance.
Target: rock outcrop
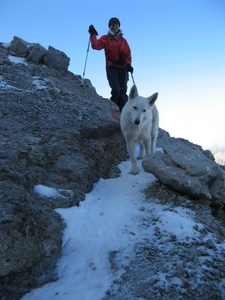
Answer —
(56, 133)
(34, 52)
(187, 169)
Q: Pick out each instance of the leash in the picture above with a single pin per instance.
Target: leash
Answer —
(132, 78)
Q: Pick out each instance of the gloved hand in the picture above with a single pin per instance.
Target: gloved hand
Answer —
(130, 68)
(92, 30)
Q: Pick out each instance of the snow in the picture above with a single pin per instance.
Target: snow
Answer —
(111, 218)
(5, 86)
(46, 191)
(39, 83)
(17, 60)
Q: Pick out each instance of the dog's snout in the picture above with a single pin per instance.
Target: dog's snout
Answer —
(137, 122)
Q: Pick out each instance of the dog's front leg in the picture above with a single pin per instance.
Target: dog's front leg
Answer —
(131, 150)
(147, 144)
(141, 152)
(153, 141)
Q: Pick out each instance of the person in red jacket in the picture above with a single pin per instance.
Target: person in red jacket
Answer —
(118, 59)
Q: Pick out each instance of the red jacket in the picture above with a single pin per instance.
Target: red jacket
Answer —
(113, 48)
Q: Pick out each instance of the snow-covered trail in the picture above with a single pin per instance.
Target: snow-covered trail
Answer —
(113, 218)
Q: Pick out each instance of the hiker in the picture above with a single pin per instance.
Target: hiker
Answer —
(118, 59)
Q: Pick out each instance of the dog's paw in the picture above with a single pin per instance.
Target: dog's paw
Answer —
(140, 156)
(134, 171)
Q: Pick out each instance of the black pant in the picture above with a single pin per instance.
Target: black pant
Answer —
(117, 78)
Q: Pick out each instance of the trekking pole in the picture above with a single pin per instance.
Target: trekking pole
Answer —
(89, 41)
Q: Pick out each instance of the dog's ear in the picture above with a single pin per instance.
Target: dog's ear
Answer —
(152, 98)
(133, 92)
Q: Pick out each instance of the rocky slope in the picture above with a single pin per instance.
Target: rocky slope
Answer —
(53, 132)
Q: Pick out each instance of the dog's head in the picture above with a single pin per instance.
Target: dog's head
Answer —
(140, 106)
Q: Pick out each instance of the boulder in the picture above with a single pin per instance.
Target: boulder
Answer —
(36, 52)
(26, 230)
(19, 47)
(56, 59)
(186, 168)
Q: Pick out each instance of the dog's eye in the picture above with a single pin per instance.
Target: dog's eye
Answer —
(144, 110)
(135, 107)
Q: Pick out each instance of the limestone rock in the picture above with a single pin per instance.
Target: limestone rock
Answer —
(19, 47)
(56, 59)
(36, 52)
(188, 169)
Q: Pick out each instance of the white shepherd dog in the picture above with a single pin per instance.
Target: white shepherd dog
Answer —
(139, 122)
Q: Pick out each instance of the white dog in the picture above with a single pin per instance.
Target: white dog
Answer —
(139, 122)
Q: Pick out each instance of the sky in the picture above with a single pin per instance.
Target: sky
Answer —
(177, 49)
(114, 218)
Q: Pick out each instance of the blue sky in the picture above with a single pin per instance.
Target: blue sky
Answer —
(178, 50)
